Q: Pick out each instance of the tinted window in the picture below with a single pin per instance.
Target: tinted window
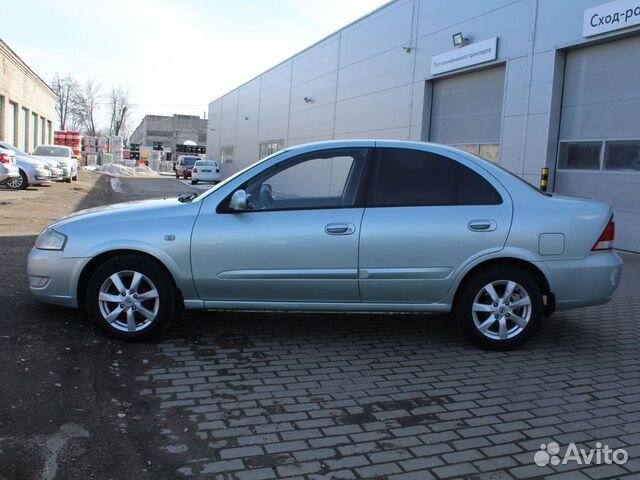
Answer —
(412, 178)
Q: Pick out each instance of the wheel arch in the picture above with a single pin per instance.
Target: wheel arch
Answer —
(537, 275)
(99, 259)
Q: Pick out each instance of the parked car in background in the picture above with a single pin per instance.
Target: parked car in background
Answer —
(63, 155)
(205, 171)
(185, 164)
(33, 171)
(8, 168)
(360, 225)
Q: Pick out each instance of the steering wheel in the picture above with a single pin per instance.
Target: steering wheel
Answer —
(266, 197)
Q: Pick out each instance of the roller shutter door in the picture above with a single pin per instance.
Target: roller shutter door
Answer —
(466, 112)
(599, 141)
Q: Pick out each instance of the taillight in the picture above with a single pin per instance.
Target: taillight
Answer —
(605, 242)
(195, 170)
(5, 158)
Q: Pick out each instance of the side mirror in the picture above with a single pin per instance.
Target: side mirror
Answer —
(238, 201)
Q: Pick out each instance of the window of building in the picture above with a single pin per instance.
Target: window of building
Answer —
(270, 147)
(622, 155)
(415, 178)
(49, 140)
(25, 130)
(611, 155)
(326, 179)
(34, 126)
(43, 138)
(2, 109)
(488, 151)
(579, 155)
(12, 124)
(159, 133)
(226, 155)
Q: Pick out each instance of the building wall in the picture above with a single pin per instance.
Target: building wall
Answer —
(361, 83)
(170, 131)
(21, 89)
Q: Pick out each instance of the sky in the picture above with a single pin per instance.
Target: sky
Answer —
(173, 56)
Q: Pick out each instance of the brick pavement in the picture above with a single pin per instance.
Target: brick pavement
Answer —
(399, 396)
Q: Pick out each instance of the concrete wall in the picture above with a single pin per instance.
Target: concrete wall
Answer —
(170, 131)
(20, 86)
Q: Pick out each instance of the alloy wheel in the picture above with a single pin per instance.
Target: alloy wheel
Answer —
(16, 183)
(501, 310)
(129, 301)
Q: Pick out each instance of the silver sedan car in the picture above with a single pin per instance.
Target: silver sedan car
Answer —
(347, 226)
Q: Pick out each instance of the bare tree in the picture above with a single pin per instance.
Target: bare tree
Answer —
(86, 105)
(120, 111)
(66, 89)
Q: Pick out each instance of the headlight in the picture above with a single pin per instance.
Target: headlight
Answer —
(51, 240)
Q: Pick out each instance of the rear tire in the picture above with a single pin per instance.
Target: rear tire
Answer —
(19, 183)
(131, 298)
(194, 182)
(499, 308)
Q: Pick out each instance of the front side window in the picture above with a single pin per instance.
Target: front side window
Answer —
(406, 177)
(327, 179)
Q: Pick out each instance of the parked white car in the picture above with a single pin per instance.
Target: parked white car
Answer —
(32, 170)
(61, 154)
(205, 171)
(8, 168)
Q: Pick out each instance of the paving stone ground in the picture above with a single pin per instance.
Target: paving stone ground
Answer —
(327, 396)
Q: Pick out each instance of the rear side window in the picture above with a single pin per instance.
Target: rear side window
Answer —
(406, 177)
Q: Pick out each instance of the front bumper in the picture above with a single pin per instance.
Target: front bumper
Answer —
(53, 278)
(591, 280)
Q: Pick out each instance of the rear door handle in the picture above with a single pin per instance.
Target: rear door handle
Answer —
(340, 229)
(482, 225)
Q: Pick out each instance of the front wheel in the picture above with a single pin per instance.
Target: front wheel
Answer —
(500, 308)
(131, 298)
(19, 183)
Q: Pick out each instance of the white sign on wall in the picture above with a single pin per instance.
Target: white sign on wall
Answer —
(611, 16)
(473, 54)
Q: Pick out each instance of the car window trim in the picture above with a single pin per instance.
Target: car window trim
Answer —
(223, 206)
(375, 172)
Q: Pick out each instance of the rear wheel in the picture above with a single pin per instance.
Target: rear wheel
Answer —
(19, 183)
(500, 308)
(131, 298)
(194, 182)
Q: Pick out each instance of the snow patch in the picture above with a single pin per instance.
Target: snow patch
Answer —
(116, 170)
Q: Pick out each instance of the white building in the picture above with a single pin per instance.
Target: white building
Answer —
(536, 83)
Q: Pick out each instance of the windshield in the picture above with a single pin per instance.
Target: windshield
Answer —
(46, 151)
(189, 161)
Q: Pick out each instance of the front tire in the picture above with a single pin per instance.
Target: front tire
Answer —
(19, 183)
(500, 308)
(131, 298)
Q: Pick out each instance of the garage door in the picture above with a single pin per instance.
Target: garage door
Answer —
(599, 143)
(466, 112)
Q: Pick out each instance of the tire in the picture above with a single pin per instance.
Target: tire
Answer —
(75, 177)
(185, 176)
(68, 180)
(150, 316)
(19, 183)
(477, 306)
(194, 182)
(177, 176)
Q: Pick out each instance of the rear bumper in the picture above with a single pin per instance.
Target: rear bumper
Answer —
(591, 280)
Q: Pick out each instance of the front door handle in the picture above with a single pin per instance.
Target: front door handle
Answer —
(340, 229)
(482, 225)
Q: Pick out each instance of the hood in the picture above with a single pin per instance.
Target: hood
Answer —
(129, 210)
(47, 158)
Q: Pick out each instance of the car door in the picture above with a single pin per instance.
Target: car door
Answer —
(298, 242)
(427, 215)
